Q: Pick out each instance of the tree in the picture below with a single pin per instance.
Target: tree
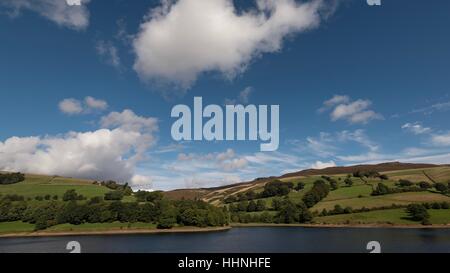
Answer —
(318, 192)
(424, 185)
(11, 178)
(441, 187)
(265, 217)
(251, 206)
(145, 196)
(381, 189)
(333, 184)
(405, 183)
(277, 188)
(167, 219)
(260, 205)
(300, 186)
(383, 177)
(71, 195)
(242, 206)
(114, 196)
(348, 181)
(418, 213)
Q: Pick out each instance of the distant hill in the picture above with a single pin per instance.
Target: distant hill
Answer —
(383, 167)
(217, 194)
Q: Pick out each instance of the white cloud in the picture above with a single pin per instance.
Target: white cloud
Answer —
(355, 112)
(319, 165)
(58, 11)
(103, 154)
(70, 106)
(74, 107)
(441, 140)
(128, 120)
(416, 128)
(182, 39)
(109, 53)
(93, 103)
(335, 100)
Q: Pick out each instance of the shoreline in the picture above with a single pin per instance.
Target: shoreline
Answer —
(355, 226)
(113, 232)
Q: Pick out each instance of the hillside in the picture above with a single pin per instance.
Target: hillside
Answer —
(351, 199)
(363, 194)
(217, 193)
(41, 185)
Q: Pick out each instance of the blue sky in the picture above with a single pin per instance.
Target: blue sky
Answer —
(355, 84)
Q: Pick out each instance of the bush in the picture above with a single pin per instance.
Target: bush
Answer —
(71, 195)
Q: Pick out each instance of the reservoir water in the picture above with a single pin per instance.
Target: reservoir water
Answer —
(247, 240)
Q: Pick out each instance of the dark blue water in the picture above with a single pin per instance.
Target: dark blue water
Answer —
(247, 240)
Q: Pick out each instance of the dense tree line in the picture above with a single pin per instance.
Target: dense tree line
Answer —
(162, 212)
(11, 178)
(246, 206)
(287, 212)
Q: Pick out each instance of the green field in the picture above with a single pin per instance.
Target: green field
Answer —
(20, 227)
(392, 216)
(40, 185)
(15, 227)
(385, 200)
(101, 227)
(359, 196)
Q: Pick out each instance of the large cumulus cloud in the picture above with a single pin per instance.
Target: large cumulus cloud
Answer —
(182, 39)
(108, 153)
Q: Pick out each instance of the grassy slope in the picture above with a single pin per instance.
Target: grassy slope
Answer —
(40, 185)
(393, 216)
(359, 196)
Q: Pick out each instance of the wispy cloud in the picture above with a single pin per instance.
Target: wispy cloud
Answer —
(57, 11)
(416, 128)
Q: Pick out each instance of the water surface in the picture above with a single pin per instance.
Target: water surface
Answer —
(247, 240)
